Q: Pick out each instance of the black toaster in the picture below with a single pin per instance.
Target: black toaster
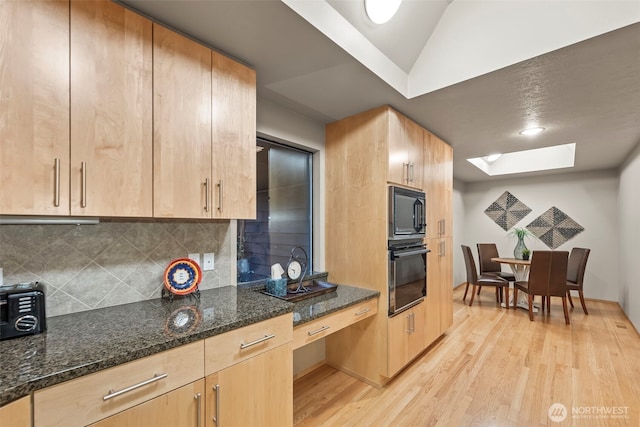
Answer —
(22, 310)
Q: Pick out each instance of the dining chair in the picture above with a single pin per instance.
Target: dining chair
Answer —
(548, 278)
(483, 279)
(486, 251)
(575, 274)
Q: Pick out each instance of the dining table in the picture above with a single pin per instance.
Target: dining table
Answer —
(520, 269)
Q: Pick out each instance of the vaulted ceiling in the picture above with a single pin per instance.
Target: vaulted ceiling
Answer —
(475, 72)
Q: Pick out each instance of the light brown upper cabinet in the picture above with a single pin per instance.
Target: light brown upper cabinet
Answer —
(234, 139)
(406, 151)
(438, 185)
(204, 131)
(34, 107)
(111, 107)
(182, 126)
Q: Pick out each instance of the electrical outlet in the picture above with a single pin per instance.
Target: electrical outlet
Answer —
(208, 262)
(195, 257)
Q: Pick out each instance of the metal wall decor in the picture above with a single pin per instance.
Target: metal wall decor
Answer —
(507, 210)
(554, 227)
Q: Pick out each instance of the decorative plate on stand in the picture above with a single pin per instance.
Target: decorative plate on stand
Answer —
(182, 276)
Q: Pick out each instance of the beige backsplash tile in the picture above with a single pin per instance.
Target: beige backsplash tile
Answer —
(110, 263)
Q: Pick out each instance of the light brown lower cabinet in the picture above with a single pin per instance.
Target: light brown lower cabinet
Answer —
(16, 414)
(406, 337)
(182, 407)
(255, 392)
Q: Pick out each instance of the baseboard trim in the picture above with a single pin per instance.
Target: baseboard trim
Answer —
(308, 370)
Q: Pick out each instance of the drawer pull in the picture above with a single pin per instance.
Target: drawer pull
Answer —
(56, 193)
(258, 341)
(364, 311)
(112, 394)
(312, 333)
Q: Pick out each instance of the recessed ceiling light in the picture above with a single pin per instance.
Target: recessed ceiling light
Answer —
(532, 131)
(380, 11)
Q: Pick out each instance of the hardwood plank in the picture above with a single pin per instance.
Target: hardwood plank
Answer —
(495, 367)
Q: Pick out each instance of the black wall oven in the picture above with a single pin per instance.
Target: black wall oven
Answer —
(407, 274)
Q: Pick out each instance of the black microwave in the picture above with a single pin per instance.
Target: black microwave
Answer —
(407, 214)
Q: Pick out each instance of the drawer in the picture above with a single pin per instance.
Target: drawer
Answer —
(320, 328)
(235, 346)
(81, 401)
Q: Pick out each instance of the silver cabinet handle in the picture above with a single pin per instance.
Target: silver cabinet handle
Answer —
(413, 323)
(220, 195)
(361, 312)
(258, 341)
(312, 333)
(206, 195)
(216, 419)
(411, 176)
(56, 191)
(112, 394)
(405, 166)
(408, 324)
(198, 409)
(442, 248)
(83, 169)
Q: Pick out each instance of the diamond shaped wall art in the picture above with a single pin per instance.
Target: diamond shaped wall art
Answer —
(554, 228)
(507, 210)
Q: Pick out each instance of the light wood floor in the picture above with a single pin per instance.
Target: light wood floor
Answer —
(494, 367)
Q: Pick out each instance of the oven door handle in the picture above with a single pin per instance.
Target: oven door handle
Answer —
(397, 255)
(418, 215)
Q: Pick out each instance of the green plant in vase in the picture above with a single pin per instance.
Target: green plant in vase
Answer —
(520, 234)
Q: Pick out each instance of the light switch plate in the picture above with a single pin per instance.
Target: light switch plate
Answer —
(207, 262)
(195, 257)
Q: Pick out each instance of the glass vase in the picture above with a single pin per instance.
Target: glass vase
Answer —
(520, 246)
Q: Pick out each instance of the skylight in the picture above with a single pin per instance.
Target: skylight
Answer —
(537, 159)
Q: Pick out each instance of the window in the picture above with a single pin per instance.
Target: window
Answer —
(283, 219)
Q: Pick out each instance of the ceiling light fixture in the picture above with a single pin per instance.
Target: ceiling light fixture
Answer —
(532, 131)
(380, 11)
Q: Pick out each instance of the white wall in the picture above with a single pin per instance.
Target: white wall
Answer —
(459, 275)
(289, 127)
(591, 199)
(629, 208)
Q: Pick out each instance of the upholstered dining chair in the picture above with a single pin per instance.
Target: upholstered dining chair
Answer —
(483, 280)
(548, 278)
(575, 274)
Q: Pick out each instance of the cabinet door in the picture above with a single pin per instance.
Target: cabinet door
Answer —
(16, 414)
(438, 185)
(111, 105)
(434, 291)
(234, 139)
(398, 151)
(446, 288)
(406, 151)
(34, 107)
(406, 337)
(183, 407)
(182, 186)
(255, 392)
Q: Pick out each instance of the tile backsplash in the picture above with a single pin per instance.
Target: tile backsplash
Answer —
(114, 262)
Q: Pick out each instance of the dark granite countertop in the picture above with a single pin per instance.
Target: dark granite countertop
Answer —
(82, 343)
(344, 296)
(86, 342)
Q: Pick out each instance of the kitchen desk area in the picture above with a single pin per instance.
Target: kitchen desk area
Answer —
(108, 366)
